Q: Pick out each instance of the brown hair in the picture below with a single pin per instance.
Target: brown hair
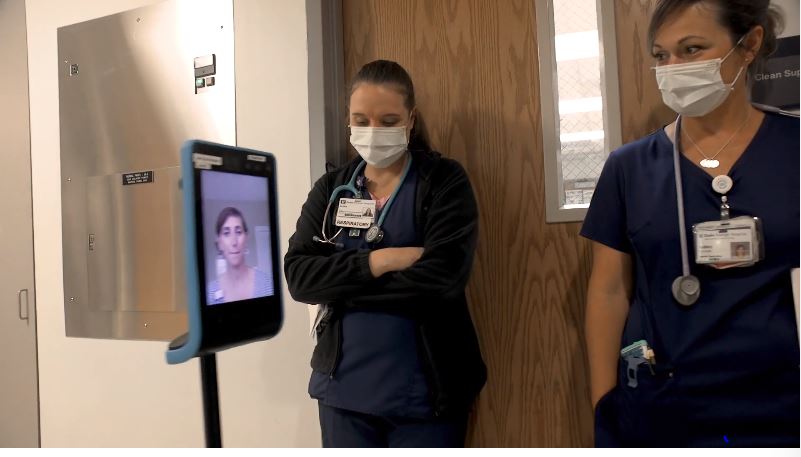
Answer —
(225, 214)
(387, 72)
(738, 17)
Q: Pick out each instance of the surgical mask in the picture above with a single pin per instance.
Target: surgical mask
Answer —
(379, 146)
(696, 88)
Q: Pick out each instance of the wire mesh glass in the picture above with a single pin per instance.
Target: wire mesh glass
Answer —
(581, 123)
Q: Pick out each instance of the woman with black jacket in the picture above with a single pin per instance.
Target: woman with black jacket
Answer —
(385, 245)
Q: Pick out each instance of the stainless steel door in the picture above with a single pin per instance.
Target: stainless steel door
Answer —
(19, 392)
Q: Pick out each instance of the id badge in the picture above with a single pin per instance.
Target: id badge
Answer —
(354, 213)
(729, 243)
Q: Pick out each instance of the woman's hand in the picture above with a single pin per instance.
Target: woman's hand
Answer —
(393, 259)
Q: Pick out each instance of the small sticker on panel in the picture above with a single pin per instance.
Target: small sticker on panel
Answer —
(140, 177)
(257, 158)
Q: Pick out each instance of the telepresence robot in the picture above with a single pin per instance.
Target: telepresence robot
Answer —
(232, 266)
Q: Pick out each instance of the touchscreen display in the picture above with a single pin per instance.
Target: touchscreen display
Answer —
(236, 237)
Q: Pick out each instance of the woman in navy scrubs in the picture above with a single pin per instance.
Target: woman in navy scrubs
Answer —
(397, 362)
(723, 371)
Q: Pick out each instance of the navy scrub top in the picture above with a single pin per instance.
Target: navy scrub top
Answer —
(379, 371)
(731, 360)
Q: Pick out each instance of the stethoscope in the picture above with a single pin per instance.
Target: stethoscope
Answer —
(374, 233)
(686, 288)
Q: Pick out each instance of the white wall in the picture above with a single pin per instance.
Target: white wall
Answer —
(122, 393)
(791, 9)
(264, 399)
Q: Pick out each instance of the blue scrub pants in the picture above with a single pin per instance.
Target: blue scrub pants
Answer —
(349, 429)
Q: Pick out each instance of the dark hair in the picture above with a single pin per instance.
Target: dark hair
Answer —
(737, 16)
(225, 214)
(387, 72)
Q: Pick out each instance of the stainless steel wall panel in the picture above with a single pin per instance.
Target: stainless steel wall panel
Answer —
(127, 101)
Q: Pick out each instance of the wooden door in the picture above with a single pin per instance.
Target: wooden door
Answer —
(475, 69)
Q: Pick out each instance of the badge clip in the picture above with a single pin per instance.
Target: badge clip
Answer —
(635, 355)
(724, 208)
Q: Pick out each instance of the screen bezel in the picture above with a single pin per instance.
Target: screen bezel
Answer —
(239, 322)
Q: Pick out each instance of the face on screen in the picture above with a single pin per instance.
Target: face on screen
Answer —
(236, 237)
(232, 239)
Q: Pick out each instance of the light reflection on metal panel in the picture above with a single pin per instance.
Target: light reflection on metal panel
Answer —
(130, 241)
(128, 100)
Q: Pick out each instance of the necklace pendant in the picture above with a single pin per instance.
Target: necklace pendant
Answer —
(710, 163)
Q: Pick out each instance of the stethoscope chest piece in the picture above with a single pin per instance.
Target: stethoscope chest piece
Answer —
(686, 290)
(374, 234)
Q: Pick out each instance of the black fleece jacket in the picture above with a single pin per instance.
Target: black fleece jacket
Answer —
(431, 291)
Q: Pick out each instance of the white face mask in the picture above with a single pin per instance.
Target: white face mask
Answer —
(379, 146)
(696, 88)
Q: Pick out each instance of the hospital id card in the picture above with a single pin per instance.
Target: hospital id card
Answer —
(728, 243)
(355, 213)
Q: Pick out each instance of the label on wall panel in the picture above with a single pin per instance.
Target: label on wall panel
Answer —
(140, 177)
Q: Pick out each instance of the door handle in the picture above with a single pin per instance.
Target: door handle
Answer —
(19, 306)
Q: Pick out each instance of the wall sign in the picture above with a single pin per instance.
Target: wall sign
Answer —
(777, 82)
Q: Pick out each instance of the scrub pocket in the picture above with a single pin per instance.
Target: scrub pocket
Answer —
(606, 423)
(649, 415)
